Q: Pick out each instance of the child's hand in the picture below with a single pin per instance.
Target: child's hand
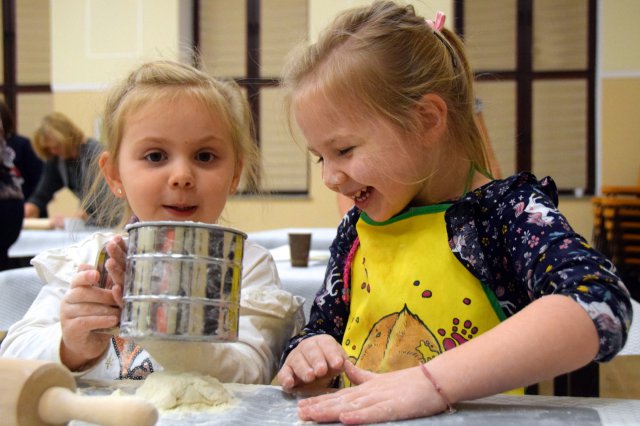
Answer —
(312, 364)
(84, 308)
(402, 394)
(117, 251)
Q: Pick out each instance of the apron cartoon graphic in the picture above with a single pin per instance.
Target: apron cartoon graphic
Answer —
(411, 299)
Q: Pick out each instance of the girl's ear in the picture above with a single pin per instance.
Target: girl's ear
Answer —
(433, 111)
(110, 172)
(236, 177)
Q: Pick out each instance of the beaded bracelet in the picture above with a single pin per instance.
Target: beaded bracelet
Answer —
(450, 409)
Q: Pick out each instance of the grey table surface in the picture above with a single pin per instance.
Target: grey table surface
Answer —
(33, 241)
(259, 404)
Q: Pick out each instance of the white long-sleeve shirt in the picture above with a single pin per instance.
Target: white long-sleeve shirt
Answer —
(269, 316)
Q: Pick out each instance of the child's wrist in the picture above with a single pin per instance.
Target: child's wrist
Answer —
(439, 390)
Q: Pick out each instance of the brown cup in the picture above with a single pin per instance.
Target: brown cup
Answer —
(299, 244)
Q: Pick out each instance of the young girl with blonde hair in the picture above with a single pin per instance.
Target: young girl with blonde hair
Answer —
(443, 284)
(177, 141)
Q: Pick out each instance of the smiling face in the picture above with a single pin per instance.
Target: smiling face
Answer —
(176, 162)
(364, 158)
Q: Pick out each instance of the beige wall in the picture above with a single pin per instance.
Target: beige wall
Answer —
(80, 75)
(619, 109)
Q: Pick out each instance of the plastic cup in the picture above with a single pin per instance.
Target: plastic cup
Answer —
(299, 244)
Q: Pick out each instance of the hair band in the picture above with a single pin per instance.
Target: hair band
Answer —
(437, 25)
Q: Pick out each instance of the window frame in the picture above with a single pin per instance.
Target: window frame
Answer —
(524, 77)
(10, 86)
(253, 83)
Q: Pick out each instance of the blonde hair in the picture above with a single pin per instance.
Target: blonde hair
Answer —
(62, 130)
(168, 79)
(384, 58)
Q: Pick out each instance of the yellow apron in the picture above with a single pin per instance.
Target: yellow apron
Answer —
(411, 299)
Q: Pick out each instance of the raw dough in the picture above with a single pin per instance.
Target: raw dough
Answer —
(184, 391)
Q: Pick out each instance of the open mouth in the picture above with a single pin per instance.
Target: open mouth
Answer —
(181, 209)
(362, 195)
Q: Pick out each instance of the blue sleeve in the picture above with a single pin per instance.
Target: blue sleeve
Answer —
(512, 236)
(553, 259)
(329, 312)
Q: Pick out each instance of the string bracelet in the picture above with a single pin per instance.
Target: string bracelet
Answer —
(450, 409)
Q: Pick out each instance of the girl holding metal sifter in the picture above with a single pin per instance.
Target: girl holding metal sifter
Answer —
(177, 141)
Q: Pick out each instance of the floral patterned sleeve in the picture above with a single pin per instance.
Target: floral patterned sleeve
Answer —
(527, 249)
(329, 312)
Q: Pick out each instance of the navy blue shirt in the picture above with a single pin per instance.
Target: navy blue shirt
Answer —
(511, 236)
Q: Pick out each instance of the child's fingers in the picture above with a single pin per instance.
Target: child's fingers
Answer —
(115, 265)
(115, 273)
(86, 276)
(84, 288)
(316, 358)
(357, 375)
(286, 378)
(117, 249)
(116, 291)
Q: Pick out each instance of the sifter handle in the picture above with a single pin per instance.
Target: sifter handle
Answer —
(60, 405)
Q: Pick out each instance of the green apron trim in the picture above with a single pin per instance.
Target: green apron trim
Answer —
(493, 300)
(413, 211)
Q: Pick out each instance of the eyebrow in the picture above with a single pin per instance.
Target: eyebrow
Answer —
(200, 141)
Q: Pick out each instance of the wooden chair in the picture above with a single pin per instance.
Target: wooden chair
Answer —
(616, 233)
(621, 219)
(616, 230)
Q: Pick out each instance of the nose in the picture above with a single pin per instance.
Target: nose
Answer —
(181, 175)
(332, 176)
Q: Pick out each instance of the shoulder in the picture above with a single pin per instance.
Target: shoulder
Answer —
(258, 264)
(518, 187)
(255, 253)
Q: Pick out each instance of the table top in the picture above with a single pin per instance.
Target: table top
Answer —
(260, 404)
(321, 238)
(33, 241)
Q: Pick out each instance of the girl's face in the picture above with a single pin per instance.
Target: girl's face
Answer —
(176, 162)
(365, 159)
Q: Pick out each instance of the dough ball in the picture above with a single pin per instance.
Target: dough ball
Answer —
(187, 391)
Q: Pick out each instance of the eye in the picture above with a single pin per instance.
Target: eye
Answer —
(319, 160)
(155, 156)
(345, 151)
(205, 156)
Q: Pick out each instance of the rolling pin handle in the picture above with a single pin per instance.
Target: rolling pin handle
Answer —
(60, 405)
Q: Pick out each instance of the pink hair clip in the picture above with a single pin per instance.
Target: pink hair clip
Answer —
(438, 24)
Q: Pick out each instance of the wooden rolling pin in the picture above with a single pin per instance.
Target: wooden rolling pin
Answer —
(43, 393)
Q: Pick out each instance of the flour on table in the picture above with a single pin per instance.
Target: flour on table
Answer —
(184, 391)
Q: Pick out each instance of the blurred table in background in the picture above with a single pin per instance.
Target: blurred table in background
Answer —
(33, 241)
(321, 238)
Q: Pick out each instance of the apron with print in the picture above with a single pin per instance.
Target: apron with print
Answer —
(411, 299)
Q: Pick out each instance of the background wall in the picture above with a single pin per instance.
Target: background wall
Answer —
(83, 70)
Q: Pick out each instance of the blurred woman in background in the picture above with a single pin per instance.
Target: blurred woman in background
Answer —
(67, 154)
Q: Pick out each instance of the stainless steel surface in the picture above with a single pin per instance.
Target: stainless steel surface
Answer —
(182, 282)
(258, 404)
